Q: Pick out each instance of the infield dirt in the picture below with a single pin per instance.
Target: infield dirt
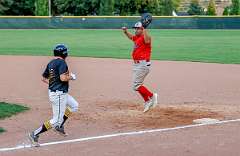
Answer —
(187, 91)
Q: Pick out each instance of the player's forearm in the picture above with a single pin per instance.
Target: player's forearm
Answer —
(147, 38)
(65, 77)
(45, 80)
(128, 34)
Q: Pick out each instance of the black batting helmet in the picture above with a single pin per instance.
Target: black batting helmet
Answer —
(61, 50)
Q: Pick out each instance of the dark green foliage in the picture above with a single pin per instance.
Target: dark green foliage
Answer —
(17, 7)
(235, 8)
(76, 7)
(41, 7)
(5, 6)
(195, 8)
(167, 7)
(211, 10)
(88, 7)
(125, 7)
(106, 7)
(227, 10)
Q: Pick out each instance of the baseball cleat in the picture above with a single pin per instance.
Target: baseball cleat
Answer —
(148, 105)
(60, 130)
(151, 102)
(155, 99)
(34, 139)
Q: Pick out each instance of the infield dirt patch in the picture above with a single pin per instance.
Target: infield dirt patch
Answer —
(187, 91)
(126, 114)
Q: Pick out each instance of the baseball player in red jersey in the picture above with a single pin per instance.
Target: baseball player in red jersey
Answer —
(141, 57)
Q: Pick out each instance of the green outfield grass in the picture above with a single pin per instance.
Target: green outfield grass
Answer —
(1, 130)
(7, 110)
(220, 46)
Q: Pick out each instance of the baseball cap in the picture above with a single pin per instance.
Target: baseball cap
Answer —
(137, 25)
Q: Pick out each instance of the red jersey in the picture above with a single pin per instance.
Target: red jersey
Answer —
(142, 50)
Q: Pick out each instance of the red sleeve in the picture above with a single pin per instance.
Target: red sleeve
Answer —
(134, 38)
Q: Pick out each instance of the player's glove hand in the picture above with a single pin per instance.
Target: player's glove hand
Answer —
(124, 29)
(146, 19)
(73, 76)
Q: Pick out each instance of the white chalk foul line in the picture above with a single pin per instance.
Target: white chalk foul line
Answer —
(117, 135)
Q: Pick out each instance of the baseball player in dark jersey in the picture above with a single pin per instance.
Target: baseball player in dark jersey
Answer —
(141, 63)
(57, 76)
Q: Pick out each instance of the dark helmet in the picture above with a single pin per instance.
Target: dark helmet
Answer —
(61, 50)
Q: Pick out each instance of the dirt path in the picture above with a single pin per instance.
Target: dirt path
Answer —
(107, 105)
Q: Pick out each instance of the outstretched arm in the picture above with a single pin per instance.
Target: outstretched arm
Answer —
(147, 38)
(128, 34)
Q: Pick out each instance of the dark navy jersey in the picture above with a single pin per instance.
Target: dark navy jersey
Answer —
(53, 71)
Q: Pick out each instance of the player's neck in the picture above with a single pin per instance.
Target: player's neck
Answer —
(58, 57)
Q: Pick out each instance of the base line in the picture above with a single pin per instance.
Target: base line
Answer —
(116, 135)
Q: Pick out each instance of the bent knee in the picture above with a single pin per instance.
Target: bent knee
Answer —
(75, 108)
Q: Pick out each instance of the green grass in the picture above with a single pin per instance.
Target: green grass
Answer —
(1, 130)
(7, 110)
(219, 46)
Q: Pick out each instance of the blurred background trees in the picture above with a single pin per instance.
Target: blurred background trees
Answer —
(88, 7)
(17, 7)
(115, 7)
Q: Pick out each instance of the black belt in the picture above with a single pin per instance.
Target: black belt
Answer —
(57, 90)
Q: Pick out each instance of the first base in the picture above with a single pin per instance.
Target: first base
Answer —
(205, 121)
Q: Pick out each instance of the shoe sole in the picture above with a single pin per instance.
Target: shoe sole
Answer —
(35, 144)
(154, 103)
(145, 110)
